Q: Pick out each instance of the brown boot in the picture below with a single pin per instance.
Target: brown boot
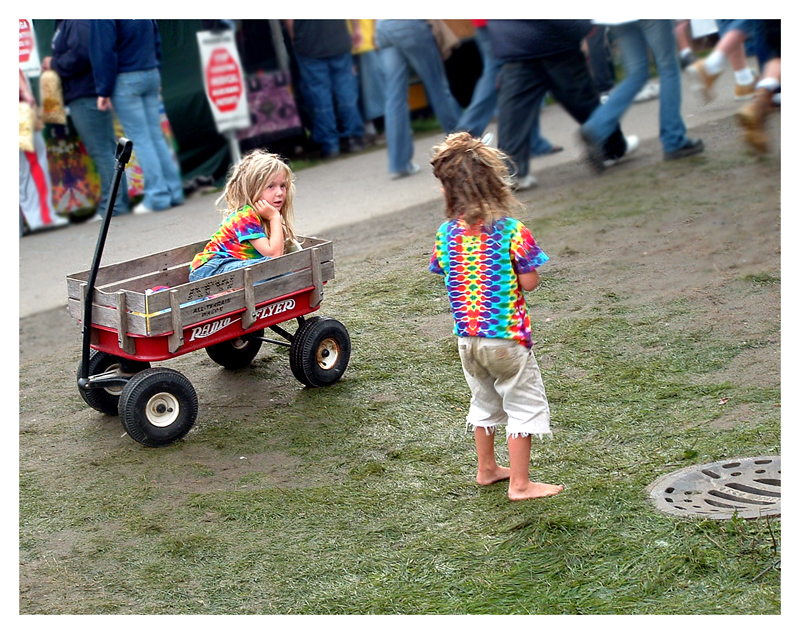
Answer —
(752, 118)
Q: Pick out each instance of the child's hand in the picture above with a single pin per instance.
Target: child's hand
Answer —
(265, 210)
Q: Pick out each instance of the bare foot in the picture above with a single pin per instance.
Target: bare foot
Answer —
(488, 477)
(534, 490)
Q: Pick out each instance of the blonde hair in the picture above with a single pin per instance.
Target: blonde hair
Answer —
(248, 178)
(475, 178)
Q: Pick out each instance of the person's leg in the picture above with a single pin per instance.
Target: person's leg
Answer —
(485, 410)
(166, 158)
(315, 75)
(518, 382)
(489, 471)
(600, 61)
(520, 486)
(419, 47)
(345, 91)
(661, 40)
(483, 104)
(604, 120)
(373, 85)
(522, 88)
(35, 187)
(397, 116)
(131, 111)
(96, 130)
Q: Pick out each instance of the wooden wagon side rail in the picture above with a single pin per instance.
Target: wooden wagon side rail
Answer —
(135, 312)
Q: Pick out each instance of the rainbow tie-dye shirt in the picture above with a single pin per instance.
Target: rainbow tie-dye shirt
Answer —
(232, 239)
(480, 268)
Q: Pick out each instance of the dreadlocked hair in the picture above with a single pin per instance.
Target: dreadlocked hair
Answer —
(475, 178)
(248, 178)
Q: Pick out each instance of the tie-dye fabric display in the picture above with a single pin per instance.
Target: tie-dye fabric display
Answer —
(480, 267)
(232, 239)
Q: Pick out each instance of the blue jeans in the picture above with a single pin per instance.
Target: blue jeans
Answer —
(216, 266)
(332, 87)
(633, 40)
(96, 130)
(373, 86)
(136, 102)
(405, 46)
(483, 104)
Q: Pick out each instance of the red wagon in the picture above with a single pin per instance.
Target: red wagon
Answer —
(144, 310)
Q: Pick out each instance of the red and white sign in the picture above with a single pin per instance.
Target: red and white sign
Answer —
(223, 79)
(28, 53)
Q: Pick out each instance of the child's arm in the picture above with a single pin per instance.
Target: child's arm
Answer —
(529, 281)
(272, 246)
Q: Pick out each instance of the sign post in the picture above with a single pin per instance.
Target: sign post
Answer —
(224, 85)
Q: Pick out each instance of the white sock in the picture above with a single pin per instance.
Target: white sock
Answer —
(744, 76)
(686, 52)
(770, 83)
(715, 62)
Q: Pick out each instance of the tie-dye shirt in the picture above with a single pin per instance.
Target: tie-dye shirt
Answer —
(480, 268)
(232, 239)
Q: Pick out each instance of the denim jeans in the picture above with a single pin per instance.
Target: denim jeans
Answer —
(372, 95)
(523, 86)
(216, 266)
(332, 87)
(483, 104)
(96, 130)
(405, 46)
(137, 104)
(633, 40)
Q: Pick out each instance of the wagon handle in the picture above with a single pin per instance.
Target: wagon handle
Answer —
(122, 156)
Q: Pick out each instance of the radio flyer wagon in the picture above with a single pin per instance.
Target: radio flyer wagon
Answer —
(144, 310)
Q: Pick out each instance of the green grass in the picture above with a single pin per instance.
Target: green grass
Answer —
(364, 499)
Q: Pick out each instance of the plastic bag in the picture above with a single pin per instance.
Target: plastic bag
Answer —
(52, 98)
(27, 124)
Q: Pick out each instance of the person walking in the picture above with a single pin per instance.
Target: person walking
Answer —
(95, 127)
(126, 57)
(405, 46)
(636, 39)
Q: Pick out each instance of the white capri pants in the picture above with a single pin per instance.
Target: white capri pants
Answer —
(506, 385)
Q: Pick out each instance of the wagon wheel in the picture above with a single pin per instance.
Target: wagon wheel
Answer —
(106, 399)
(158, 406)
(319, 352)
(236, 353)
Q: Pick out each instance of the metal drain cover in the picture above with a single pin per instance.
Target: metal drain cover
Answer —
(749, 487)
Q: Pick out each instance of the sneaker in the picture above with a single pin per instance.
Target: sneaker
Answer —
(412, 169)
(526, 182)
(743, 92)
(594, 153)
(631, 145)
(352, 145)
(689, 148)
(701, 80)
(649, 91)
(141, 208)
(752, 118)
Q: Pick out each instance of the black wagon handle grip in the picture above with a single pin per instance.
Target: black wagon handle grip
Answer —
(122, 156)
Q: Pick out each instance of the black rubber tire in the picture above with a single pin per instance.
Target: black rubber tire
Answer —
(106, 400)
(320, 352)
(158, 406)
(236, 353)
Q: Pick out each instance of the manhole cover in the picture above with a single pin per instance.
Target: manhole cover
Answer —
(749, 487)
